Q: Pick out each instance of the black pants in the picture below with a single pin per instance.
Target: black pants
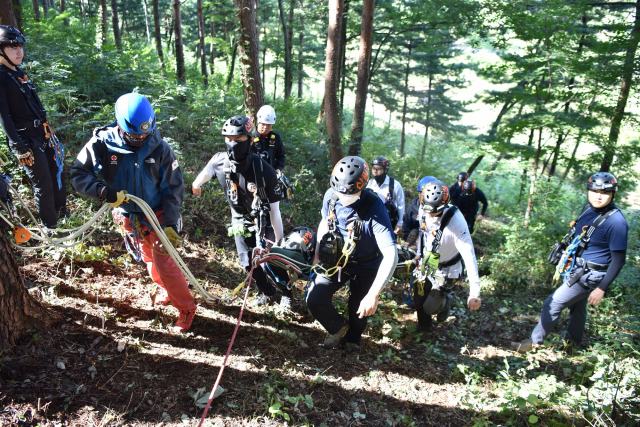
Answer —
(424, 319)
(244, 246)
(320, 296)
(283, 276)
(471, 221)
(51, 200)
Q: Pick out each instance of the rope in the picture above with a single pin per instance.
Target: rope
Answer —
(4, 160)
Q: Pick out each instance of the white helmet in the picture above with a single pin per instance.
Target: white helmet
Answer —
(267, 115)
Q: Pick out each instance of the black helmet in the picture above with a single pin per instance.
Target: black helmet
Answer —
(10, 35)
(238, 125)
(469, 187)
(434, 197)
(602, 181)
(303, 240)
(462, 176)
(381, 161)
(350, 175)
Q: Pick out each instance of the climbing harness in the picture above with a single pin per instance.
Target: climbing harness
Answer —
(58, 150)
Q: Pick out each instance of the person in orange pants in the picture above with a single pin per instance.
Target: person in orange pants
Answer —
(130, 157)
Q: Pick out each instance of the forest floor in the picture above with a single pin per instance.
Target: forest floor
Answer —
(113, 359)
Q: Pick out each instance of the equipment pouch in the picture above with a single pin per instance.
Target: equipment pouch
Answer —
(430, 263)
(331, 248)
(287, 191)
(575, 276)
(556, 253)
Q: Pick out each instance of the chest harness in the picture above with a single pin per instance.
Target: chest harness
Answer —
(258, 211)
(36, 107)
(430, 261)
(335, 251)
(567, 253)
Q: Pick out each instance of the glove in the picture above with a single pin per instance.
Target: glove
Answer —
(26, 158)
(173, 237)
(116, 199)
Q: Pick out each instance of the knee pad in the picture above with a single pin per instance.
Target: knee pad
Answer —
(435, 302)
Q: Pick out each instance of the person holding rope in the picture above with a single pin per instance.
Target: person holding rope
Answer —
(29, 136)
(596, 253)
(443, 243)
(130, 157)
(356, 245)
(253, 193)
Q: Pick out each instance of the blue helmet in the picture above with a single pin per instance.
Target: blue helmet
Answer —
(424, 181)
(135, 114)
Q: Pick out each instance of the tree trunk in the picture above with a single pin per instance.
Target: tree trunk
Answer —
(572, 160)
(158, 35)
(556, 152)
(534, 177)
(475, 164)
(427, 123)
(212, 51)
(343, 54)
(7, 14)
(36, 10)
(114, 23)
(63, 8)
(83, 13)
(248, 50)
(627, 79)
(102, 37)
(233, 64)
(404, 102)
(300, 51)
(124, 16)
(362, 87)
(45, 8)
(179, 49)
(321, 118)
(331, 76)
(146, 21)
(19, 311)
(203, 57)
(287, 54)
(523, 179)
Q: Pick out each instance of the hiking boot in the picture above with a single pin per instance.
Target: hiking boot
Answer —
(444, 314)
(285, 302)
(522, 346)
(332, 341)
(160, 297)
(64, 213)
(352, 348)
(262, 300)
(185, 319)
(426, 328)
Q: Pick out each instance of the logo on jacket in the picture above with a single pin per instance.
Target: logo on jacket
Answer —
(174, 165)
(150, 160)
(114, 160)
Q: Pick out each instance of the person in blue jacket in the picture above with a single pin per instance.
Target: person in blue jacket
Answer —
(587, 281)
(130, 157)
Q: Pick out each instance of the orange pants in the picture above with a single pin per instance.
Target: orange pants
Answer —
(161, 267)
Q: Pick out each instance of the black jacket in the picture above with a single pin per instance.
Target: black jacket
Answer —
(271, 149)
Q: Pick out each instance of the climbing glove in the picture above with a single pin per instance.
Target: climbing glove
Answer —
(26, 158)
(173, 236)
(119, 198)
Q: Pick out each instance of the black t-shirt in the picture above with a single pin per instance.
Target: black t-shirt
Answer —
(15, 112)
(240, 213)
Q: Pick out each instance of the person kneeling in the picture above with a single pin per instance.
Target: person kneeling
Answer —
(358, 246)
(443, 242)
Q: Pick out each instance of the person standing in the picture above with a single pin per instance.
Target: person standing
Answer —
(411, 221)
(268, 144)
(390, 192)
(130, 157)
(29, 136)
(468, 198)
(462, 177)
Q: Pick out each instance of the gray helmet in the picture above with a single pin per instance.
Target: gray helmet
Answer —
(602, 181)
(350, 175)
(434, 197)
(238, 125)
(381, 161)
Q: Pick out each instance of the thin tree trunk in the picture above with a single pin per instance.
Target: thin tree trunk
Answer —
(124, 16)
(362, 87)
(158, 35)
(300, 51)
(146, 21)
(179, 48)
(249, 52)
(45, 8)
(572, 160)
(627, 79)
(343, 54)
(212, 52)
(331, 76)
(83, 13)
(427, 123)
(102, 37)
(20, 313)
(287, 53)
(475, 164)
(114, 23)
(36, 10)
(275, 78)
(523, 179)
(63, 9)
(233, 64)
(203, 57)
(534, 178)
(404, 102)
(321, 118)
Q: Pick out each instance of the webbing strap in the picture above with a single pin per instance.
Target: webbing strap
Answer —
(586, 237)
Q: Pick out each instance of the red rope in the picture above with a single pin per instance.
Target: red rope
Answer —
(257, 260)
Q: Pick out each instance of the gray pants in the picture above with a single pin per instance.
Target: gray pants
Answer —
(575, 298)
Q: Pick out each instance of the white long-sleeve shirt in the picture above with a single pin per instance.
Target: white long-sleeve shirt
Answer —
(455, 239)
(383, 192)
